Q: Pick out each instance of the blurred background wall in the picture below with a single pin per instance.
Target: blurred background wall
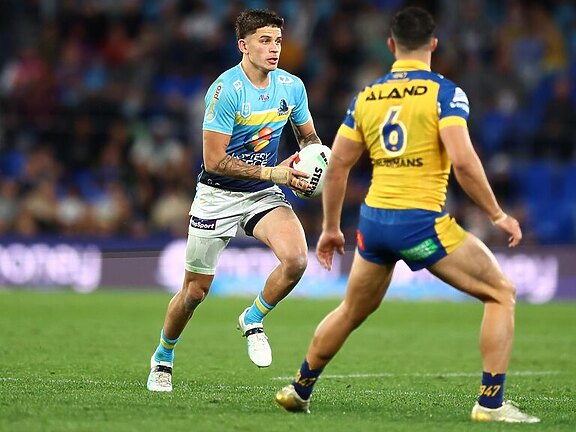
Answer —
(101, 105)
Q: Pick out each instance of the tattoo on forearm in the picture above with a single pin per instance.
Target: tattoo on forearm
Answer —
(309, 139)
(234, 167)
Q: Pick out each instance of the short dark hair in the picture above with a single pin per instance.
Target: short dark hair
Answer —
(412, 28)
(251, 20)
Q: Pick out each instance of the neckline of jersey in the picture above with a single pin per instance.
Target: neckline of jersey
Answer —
(405, 65)
(251, 83)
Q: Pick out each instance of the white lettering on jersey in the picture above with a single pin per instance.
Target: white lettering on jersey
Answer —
(237, 85)
(284, 79)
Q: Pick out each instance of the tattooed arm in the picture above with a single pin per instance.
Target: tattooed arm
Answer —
(217, 161)
(305, 134)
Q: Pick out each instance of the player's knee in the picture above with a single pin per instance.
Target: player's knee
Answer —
(295, 265)
(508, 291)
(194, 293)
(505, 293)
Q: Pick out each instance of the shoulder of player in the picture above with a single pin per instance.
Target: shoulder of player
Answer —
(285, 78)
(228, 84)
(442, 81)
(450, 89)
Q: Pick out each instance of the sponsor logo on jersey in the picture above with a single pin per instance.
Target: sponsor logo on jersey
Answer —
(259, 159)
(237, 85)
(259, 140)
(203, 224)
(264, 97)
(360, 240)
(399, 162)
(218, 90)
(284, 79)
(399, 75)
(211, 111)
(420, 251)
(396, 93)
(460, 100)
(283, 109)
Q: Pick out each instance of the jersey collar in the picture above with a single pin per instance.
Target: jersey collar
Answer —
(408, 65)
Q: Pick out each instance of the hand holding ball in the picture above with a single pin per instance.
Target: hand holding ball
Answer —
(313, 160)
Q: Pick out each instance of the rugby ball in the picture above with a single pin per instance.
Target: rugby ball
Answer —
(313, 160)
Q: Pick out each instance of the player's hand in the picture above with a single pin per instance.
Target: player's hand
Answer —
(329, 242)
(284, 174)
(510, 225)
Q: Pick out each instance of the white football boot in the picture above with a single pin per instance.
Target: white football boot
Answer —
(160, 378)
(259, 349)
(508, 413)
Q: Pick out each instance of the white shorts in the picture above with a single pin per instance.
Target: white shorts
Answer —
(215, 216)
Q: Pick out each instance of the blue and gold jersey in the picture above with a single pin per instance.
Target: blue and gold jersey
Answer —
(398, 118)
(254, 119)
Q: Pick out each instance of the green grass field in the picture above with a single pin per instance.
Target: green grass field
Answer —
(72, 362)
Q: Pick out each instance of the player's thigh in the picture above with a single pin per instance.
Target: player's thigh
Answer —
(473, 269)
(203, 254)
(281, 230)
(367, 285)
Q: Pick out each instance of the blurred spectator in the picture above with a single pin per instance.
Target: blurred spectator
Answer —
(169, 213)
(72, 213)
(158, 153)
(557, 137)
(9, 204)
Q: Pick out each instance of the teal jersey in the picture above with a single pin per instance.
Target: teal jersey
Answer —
(254, 119)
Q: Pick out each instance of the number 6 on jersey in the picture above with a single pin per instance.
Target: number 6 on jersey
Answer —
(394, 134)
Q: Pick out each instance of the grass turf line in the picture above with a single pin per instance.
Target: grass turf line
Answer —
(74, 362)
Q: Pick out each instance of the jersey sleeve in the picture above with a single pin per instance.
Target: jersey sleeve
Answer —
(300, 114)
(220, 112)
(453, 105)
(349, 127)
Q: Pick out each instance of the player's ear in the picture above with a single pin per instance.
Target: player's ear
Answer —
(242, 46)
(391, 45)
(433, 44)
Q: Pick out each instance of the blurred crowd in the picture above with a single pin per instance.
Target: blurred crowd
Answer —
(101, 105)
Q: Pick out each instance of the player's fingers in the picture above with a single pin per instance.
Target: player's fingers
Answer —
(324, 259)
(302, 174)
(288, 161)
(299, 184)
(514, 239)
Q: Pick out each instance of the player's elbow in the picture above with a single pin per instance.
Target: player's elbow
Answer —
(212, 166)
(464, 168)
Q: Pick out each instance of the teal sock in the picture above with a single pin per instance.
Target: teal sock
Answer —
(257, 311)
(492, 390)
(305, 379)
(165, 350)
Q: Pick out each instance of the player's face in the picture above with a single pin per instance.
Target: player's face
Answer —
(263, 48)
